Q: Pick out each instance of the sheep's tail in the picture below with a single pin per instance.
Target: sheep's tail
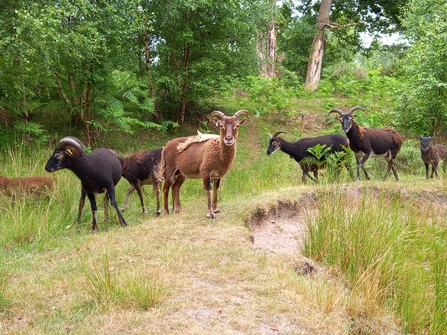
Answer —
(162, 169)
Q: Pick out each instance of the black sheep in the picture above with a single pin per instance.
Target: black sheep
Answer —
(100, 171)
(299, 150)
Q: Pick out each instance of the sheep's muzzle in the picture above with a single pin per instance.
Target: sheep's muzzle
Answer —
(229, 141)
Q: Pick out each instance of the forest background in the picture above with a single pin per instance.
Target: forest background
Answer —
(126, 66)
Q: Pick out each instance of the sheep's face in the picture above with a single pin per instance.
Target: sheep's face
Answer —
(229, 129)
(346, 122)
(274, 145)
(425, 142)
(61, 159)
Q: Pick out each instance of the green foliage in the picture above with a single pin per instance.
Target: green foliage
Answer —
(409, 158)
(33, 131)
(359, 83)
(319, 151)
(421, 99)
(334, 162)
(268, 95)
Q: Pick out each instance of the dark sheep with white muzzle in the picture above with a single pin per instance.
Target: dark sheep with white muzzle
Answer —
(99, 172)
(299, 151)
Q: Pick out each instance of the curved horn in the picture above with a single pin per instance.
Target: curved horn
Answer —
(241, 112)
(278, 132)
(70, 140)
(216, 114)
(336, 110)
(353, 109)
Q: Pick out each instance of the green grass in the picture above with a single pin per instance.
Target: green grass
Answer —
(383, 252)
(390, 249)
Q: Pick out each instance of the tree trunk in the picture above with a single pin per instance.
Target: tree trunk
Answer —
(271, 49)
(147, 59)
(314, 66)
(88, 114)
(62, 91)
(260, 51)
(184, 86)
(266, 50)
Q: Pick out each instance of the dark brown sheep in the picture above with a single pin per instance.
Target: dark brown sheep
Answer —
(432, 155)
(143, 168)
(368, 142)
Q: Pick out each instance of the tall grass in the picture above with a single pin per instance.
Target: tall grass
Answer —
(107, 287)
(390, 250)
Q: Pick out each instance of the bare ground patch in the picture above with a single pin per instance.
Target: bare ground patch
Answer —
(283, 228)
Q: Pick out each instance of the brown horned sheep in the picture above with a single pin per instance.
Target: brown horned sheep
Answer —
(206, 157)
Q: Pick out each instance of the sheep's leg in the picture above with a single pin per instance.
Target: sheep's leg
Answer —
(434, 170)
(157, 194)
(106, 208)
(128, 193)
(396, 175)
(81, 204)
(305, 168)
(176, 192)
(427, 170)
(140, 194)
(111, 196)
(361, 165)
(166, 187)
(348, 167)
(315, 171)
(391, 165)
(92, 199)
(207, 187)
(216, 183)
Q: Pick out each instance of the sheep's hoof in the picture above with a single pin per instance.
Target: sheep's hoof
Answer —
(158, 214)
(210, 216)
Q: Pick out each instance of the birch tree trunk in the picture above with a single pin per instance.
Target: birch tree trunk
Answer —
(271, 50)
(314, 65)
(147, 59)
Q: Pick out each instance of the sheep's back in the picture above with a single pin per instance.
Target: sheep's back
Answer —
(384, 139)
(188, 160)
(142, 165)
(98, 169)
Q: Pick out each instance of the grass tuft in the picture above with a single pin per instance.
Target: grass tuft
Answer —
(390, 252)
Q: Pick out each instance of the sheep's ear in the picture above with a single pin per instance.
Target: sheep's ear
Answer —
(71, 151)
(242, 121)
